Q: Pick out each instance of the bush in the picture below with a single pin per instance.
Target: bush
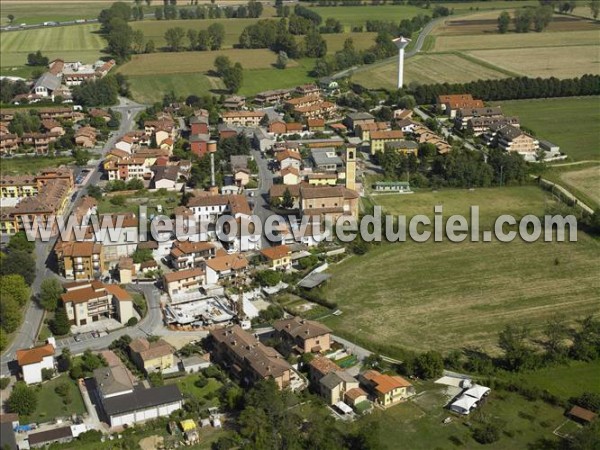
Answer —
(132, 322)
(201, 381)
(486, 434)
(76, 373)
(47, 374)
(4, 382)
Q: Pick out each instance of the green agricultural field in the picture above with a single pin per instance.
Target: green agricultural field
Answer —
(352, 16)
(579, 140)
(50, 404)
(32, 12)
(362, 41)
(32, 164)
(81, 42)
(566, 381)
(586, 181)
(152, 88)
(258, 80)
(155, 29)
(419, 421)
(450, 295)
(427, 68)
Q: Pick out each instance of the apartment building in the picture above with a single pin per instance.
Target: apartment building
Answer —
(186, 254)
(79, 260)
(242, 118)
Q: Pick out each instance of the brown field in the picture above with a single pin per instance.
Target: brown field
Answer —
(486, 23)
(586, 181)
(193, 62)
(513, 40)
(426, 69)
(559, 62)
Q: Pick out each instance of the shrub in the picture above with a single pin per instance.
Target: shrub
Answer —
(132, 322)
(201, 381)
(486, 434)
(4, 382)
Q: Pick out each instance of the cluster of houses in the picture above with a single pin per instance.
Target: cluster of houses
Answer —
(60, 77)
(491, 125)
(54, 122)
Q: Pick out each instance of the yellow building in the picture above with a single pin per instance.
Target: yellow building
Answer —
(88, 302)
(388, 390)
(79, 260)
(154, 356)
(379, 138)
(351, 168)
(278, 257)
(322, 179)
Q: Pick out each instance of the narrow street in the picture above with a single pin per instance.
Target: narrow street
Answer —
(261, 202)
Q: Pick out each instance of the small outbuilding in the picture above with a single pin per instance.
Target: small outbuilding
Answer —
(582, 415)
(464, 405)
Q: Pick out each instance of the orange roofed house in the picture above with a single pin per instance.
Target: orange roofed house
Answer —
(87, 302)
(305, 335)
(450, 104)
(33, 360)
(79, 260)
(247, 359)
(183, 281)
(278, 257)
(387, 390)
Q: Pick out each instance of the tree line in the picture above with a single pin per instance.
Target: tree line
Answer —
(512, 88)
(253, 9)
(524, 19)
(210, 39)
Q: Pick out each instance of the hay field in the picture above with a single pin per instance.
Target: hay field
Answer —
(151, 88)
(81, 42)
(514, 40)
(559, 62)
(586, 181)
(450, 295)
(362, 41)
(352, 16)
(429, 68)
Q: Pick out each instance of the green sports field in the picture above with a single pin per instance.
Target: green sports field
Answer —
(572, 123)
(80, 42)
(450, 295)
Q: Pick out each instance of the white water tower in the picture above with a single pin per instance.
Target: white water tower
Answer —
(401, 43)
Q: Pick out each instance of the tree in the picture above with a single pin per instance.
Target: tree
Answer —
(222, 64)
(37, 59)
(14, 285)
(4, 382)
(65, 362)
(10, 313)
(522, 20)
(487, 433)
(150, 47)
(216, 33)
(268, 277)
(137, 41)
(156, 379)
(22, 400)
(192, 36)
(11, 18)
(158, 13)
(542, 17)
(142, 255)
(233, 78)
(595, 8)
(60, 325)
(430, 365)
(517, 353)
(20, 263)
(503, 22)
(282, 60)
(50, 292)
(120, 39)
(314, 45)
(174, 38)
(287, 199)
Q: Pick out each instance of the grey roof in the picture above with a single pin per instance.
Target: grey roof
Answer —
(547, 144)
(402, 144)
(141, 399)
(7, 436)
(199, 138)
(112, 380)
(193, 361)
(331, 380)
(165, 173)
(49, 81)
(478, 112)
(323, 156)
(313, 280)
(360, 116)
(509, 132)
(50, 435)
(239, 161)
(199, 119)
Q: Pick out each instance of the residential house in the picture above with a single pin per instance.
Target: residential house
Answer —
(152, 356)
(290, 175)
(125, 143)
(247, 359)
(272, 96)
(334, 386)
(358, 118)
(79, 260)
(512, 139)
(320, 110)
(166, 177)
(199, 144)
(187, 280)
(114, 379)
(39, 141)
(402, 146)
(262, 140)
(316, 125)
(278, 257)
(450, 104)
(326, 160)
(363, 131)
(199, 125)
(234, 102)
(242, 118)
(306, 336)
(386, 389)
(355, 396)
(8, 424)
(88, 302)
(42, 439)
(277, 192)
(99, 114)
(162, 128)
(288, 158)
(46, 84)
(225, 267)
(300, 102)
(142, 405)
(308, 89)
(86, 137)
(322, 179)
(380, 138)
(319, 367)
(480, 125)
(34, 360)
(406, 125)
(9, 143)
(241, 177)
(186, 254)
(463, 115)
(53, 126)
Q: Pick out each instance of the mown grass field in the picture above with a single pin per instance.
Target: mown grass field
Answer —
(426, 68)
(81, 42)
(580, 139)
(31, 12)
(559, 62)
(450, 295)
(32, 164)
(419, 421)
(264, 79)
(50, 404)
(586, 181)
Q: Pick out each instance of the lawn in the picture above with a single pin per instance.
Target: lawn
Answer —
(559, 62)
(81, 42)
(362, 41)
(168, 201)
(580, 139)
(420, 422)
(257, 80)
(50, 404)
(448, 295)
(586, 181)
(31, 12)
(357, 15)
(31, 164)
(187, 386)
(427, 68)
(567, 381)
(152, 88)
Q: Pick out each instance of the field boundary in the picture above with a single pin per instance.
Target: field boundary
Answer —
(486, 64)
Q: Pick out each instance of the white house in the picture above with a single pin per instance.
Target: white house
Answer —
(226, 266)
(33, 360)
(289, 158)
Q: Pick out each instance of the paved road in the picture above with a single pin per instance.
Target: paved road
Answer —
(26, 336)
(261, 202)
